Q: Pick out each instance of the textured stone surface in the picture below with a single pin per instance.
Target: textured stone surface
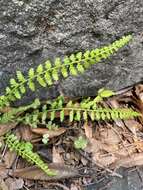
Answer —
(131, 180)
(33, 30)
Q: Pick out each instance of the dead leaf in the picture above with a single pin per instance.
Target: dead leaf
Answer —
(25, 132)
(97, 146)
(135, 159)
(3, 171)
(9, 158)
(4, 128)
(51, 133)
(57, 158)
(133, 126)
(14, 184)
(88, 129)
(125, 151)
(139, 145)
(114, 104)
(94, 146)
(74, 187)
(104, 160)
(3, 185)
(109, 136)
(35, 173)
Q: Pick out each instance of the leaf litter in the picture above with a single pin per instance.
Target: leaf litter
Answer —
(110, 145)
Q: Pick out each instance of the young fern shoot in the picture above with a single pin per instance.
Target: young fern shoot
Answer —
(45, 74)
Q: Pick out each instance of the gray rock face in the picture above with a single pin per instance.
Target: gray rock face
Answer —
(32, 31)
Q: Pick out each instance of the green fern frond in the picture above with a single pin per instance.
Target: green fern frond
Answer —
(86, 109)
(77, 113)
(24, 149)
(46, 74)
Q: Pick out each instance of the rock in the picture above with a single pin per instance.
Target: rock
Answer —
(32, 31)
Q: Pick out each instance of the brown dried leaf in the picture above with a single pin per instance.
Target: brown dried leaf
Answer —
(9, 158)
(4, 128)
(97, 146)
(3, 185)
(88, 130)
(109, 136)
(57, 158)
(114, 104)
(26, 133)
(133, 125)
(125, 151)
(135, 159)
(51, 133)
(94, 146)
(35, 173)
(139, 91)
(104, 160)
(14, 184)
(3, 171)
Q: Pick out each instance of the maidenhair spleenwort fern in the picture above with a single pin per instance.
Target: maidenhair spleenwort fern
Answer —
(37, 113)
(86, 109)
(24, 149)
(45, 74)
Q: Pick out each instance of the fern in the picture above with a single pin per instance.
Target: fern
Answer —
(99, 113)
(86, 109)
(24, 149)
(49, 72)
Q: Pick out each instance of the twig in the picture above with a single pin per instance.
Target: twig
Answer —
(110, 171)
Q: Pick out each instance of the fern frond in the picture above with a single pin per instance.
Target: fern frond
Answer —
(46, 74)
(24, 149)
(86, 109)
(76, 113)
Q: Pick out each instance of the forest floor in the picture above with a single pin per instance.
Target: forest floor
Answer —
(110, 145)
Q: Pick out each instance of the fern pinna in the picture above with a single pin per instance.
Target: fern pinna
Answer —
(49, 72)
(24, 149)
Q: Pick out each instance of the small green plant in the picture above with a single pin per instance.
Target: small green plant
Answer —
(44, 114)
(45, 138)
(24, 149)
(80, 143)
